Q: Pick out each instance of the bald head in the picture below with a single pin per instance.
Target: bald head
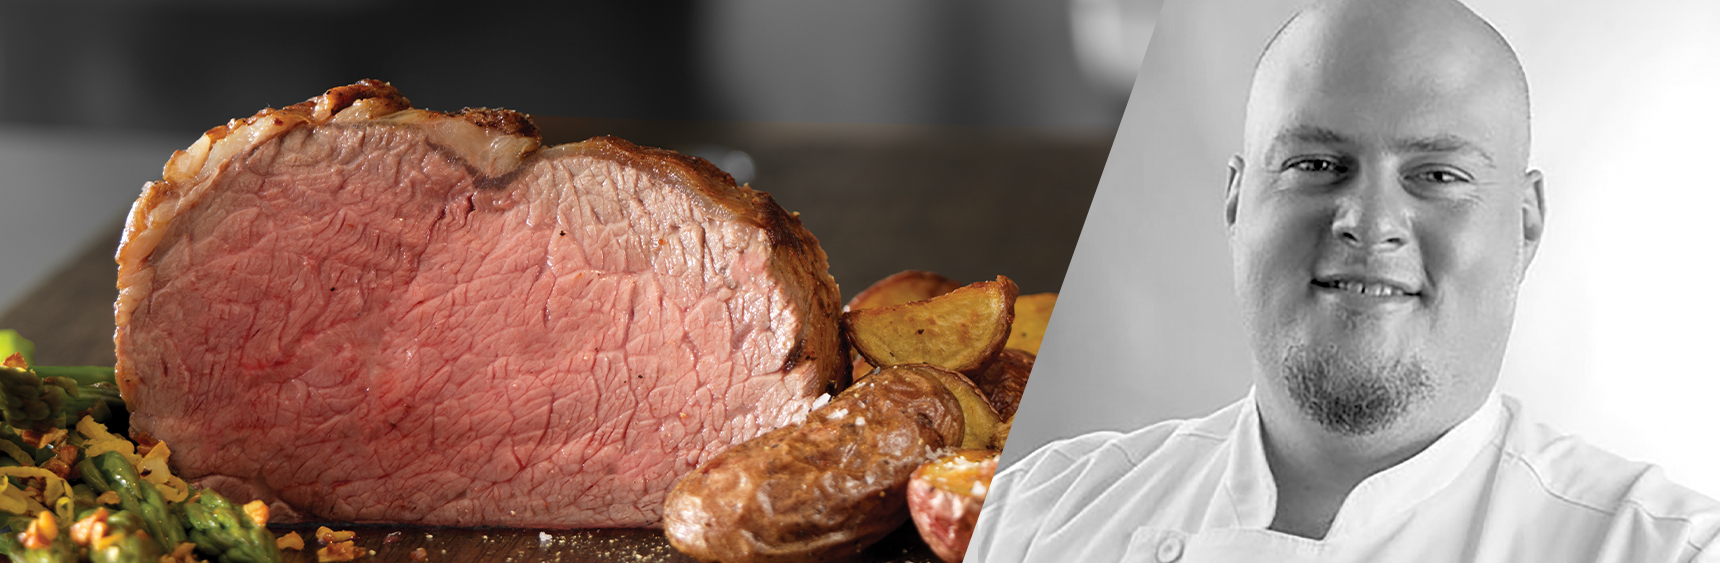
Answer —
(1385, 48)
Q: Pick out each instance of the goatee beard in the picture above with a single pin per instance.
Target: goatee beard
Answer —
(1354, 394)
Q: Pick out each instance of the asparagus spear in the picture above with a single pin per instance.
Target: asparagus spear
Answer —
(11, 342)
(130, 546)
(33, 399)
(92, 476)
(221, 531)
(42, 398)
(140, 497)
(32, 402)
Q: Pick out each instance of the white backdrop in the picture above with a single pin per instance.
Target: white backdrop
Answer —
(1616, 333)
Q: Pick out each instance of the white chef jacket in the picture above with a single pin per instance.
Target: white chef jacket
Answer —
(1493, 489)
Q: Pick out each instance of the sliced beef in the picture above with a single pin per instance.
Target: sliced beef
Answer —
(355, 310)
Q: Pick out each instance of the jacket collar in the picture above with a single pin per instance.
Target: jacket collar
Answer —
(1249, 496)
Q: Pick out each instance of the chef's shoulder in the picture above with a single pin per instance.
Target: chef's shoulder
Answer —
(1094, 480)
(1066, 466)
(1564, 484)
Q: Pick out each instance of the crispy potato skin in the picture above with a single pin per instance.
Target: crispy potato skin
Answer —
(979, 418)
(962, 330)
(945, 505)
(1005, 380)
(820, 490)
(902, 287)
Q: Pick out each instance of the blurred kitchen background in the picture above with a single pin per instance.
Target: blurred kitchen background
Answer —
(95, 95)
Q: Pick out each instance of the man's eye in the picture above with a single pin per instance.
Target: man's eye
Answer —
(1441, 177)
(1316, 166)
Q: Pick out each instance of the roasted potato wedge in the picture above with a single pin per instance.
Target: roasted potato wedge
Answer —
(1001, 438)
(823, 489)
(961, 330)
(1005, 380)
(906, 286)
(944, 498)
(979, 418)
(1032, 314)
(902, 287)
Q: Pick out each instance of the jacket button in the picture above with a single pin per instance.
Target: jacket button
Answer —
(1170, 550)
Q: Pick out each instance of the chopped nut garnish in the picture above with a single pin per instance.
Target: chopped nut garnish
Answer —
(61, 463)
(258, 512)
(60, 468)
(339, 551)
(90, 528)
(420, 555)
(109, 497)
(181, 554)
(290, 541)
(391, 537)
(326, 536)
(41, 532)
(144, 441)
(41, 440)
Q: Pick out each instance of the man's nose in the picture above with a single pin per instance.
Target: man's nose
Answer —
(1373, 215)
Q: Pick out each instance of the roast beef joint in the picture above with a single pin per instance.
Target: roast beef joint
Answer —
(359, 311)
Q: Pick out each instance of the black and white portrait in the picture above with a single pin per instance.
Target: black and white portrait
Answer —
(1388, 280)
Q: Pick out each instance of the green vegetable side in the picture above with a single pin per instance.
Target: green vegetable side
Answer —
(71, 489)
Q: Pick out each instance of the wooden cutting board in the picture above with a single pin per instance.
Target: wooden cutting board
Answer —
(508, 545)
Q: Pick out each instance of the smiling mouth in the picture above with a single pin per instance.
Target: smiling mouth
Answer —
(1370, 288)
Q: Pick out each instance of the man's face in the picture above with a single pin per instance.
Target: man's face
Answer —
(1380, 225)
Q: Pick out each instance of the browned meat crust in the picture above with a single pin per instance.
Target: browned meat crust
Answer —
(494, 145)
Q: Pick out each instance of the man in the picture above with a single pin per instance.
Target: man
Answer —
(1381, 218)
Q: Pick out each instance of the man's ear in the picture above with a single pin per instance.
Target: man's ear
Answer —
(1534, 217)
(1232, 191)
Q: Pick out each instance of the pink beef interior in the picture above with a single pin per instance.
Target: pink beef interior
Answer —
(354, 325)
